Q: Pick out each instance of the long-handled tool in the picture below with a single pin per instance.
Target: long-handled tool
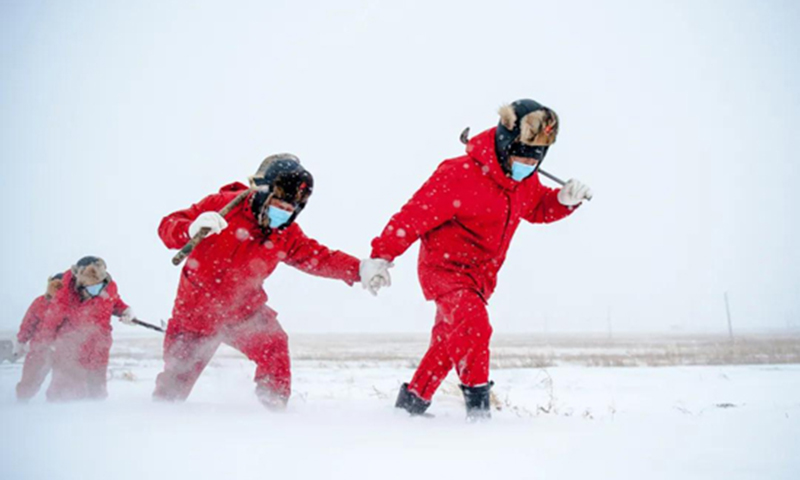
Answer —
(199, 236)
(136, 321)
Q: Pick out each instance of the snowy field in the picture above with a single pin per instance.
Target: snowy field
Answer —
(567, 408)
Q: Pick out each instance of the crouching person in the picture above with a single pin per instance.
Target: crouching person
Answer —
(31, 344)
(78, 323)
(220, 295)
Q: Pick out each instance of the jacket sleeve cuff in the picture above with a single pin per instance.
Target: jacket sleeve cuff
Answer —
(353, 275)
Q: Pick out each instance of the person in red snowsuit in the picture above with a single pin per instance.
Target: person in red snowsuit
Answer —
(465, 216)
(31, 344)
(78, 323)
(220, 295)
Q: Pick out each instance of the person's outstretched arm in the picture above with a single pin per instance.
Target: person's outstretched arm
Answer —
(431, 206)
(312, 257)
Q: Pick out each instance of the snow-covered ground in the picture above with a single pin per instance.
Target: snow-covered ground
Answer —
(554, 422)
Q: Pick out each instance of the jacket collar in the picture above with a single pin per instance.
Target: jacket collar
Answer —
(481, 149)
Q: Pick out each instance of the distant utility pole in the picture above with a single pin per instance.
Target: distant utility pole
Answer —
(608, 322)
(728, 311)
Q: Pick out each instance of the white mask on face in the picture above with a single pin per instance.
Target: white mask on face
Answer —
(521, 171)
(94, 290)
(278, 216)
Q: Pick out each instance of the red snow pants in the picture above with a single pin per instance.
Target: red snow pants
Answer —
(37, 365)
(261, 338)
(80, 364)
(460, 339)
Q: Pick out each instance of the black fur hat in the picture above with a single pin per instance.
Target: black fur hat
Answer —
(90, 270)
(281, 176)
(526, 129)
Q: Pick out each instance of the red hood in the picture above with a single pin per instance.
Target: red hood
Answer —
(238, 187)
(481, 149)
(233, 187)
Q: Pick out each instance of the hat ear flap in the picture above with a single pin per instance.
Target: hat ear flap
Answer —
(539, 128)
(508, 117)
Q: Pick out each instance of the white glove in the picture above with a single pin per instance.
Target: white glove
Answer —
(212, 220)
(374, 273)
(20, 349)
(127, 316)
(573, 193)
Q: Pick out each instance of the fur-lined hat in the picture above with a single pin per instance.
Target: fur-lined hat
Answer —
(54, 284)
(280, 176)
(257, 179)
(89, 271)
(527, 127)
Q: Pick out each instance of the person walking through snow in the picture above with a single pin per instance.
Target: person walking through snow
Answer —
(220, 295)
(78, 323)
(31, 345)
(465, 216)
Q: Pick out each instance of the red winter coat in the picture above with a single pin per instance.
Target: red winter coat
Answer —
(222, 280)
(69, 313)
(30, 327)
(466, 215)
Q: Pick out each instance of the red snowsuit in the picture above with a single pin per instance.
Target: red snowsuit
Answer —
(80, 330)
(221, 299)
(37, 361)
(465, 216)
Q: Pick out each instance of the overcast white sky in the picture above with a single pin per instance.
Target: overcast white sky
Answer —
(680, 115)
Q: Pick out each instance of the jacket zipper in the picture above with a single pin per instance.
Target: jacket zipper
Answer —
(508, 219)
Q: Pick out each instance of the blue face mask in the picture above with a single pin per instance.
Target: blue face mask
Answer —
(278, 216)
(94, 290)
(521, 171)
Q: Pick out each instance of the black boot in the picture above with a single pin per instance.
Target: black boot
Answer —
(411, 402)
(477, 401)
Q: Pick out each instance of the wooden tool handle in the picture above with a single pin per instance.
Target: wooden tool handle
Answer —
(199, 236)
